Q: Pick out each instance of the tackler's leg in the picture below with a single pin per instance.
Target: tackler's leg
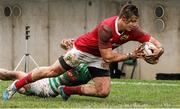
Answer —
(11, 75)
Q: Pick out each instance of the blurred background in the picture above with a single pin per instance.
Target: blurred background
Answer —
(51, 21)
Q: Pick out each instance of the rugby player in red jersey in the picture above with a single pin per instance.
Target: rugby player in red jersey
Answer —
(95, 48)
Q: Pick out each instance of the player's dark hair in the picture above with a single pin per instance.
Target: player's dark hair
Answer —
(128, 10)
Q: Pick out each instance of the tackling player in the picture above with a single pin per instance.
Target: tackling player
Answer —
(49, 87)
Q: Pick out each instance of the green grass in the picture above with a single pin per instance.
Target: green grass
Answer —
(129, 93)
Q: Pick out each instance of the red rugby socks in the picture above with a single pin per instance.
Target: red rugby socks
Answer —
(69, 90)
(27, 79)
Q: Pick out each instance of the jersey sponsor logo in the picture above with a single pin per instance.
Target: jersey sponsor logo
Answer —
(124, 37)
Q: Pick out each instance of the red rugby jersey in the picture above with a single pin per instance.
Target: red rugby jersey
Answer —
(88, 42)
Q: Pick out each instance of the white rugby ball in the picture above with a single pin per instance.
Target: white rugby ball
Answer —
(148, 50)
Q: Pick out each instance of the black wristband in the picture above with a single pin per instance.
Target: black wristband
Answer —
(130, 56)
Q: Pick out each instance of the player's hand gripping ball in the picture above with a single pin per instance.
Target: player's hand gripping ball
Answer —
(148, 51)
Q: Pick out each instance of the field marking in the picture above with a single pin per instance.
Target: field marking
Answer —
(143, 83)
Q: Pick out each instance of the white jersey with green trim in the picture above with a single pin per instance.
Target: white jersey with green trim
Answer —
(39, 88)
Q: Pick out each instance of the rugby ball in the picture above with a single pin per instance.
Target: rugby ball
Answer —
(148, 50)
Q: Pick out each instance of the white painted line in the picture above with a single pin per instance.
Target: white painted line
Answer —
(143, 83)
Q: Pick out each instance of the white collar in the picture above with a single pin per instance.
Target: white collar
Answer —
(116, 26)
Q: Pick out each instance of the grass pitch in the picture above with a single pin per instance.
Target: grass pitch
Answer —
(124, 94)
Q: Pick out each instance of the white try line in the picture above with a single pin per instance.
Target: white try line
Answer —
(143, 83)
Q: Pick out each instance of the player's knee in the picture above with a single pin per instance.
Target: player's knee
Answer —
(103, 92)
